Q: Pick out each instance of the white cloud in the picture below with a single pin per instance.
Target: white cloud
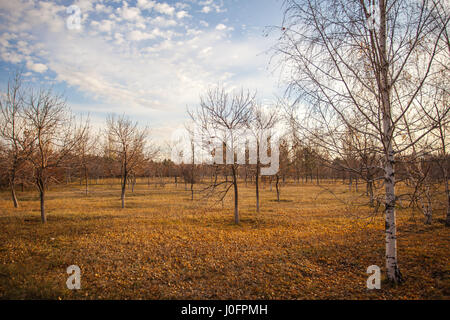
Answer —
(221, 26)
(164, 8)
(163, 22)
(146, 4)
(206, 9)
(36, 67)
(209, 5)
(135, 62)
(137, 35)
(101, 8)
(104, 25)
(182, 5)
(182, 14)
(127, 13)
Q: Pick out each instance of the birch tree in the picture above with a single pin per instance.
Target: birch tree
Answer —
(357, 56)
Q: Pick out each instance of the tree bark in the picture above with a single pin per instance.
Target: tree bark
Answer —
(13, 193)
(393, 272)
(370, 192)
(447, 191)
(277, 185)
(236, 196)
(257, 186)
(124, 185)
(86, 180)
(41, 186)
(192, 170)
(42, 198)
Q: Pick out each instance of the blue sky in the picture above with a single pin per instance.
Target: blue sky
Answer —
(147, 59)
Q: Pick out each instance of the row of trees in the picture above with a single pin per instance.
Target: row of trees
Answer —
(41, 141)
(57, 156)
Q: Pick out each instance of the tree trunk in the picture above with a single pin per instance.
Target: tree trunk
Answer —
(13, 193)
(277, 185)
(370, 192)
(124, 185)
(42, 198)
(86, 179)
(447, 192)
(257, 185)
(236, 197)
(393, 272)
(192, 170)
(428, 214)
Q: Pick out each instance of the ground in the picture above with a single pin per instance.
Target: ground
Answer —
(314, 244)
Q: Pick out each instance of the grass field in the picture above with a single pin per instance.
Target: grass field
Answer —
(311, 245)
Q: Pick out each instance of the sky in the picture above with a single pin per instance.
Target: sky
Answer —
(147, 59)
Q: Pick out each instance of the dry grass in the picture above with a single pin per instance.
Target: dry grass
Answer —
(311, 245)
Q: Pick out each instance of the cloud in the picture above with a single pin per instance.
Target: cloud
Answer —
(206, 9)
(127, 13)
(104, 25)
(163, 22)
(141, 60)
(182, 14)
(164, 8)
(137, 35)
(221, 27)
(209, 5)
(36, 67)
(146, 4)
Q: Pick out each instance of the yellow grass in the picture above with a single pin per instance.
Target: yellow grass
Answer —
(312, 245)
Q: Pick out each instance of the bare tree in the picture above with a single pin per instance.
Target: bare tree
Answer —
(13, 132)
(84, 149)
(263, 122)
(55, 136)
(192, 144)
(344, 58)
(443, 160)
(221, 118)
(439, 115)
(127, 143)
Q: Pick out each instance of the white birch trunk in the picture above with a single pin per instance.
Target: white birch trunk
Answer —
(393, 272)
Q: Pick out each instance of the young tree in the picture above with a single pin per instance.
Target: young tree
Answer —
(222, 117)
(127, 143)
(346, 58)
(263, 122)
(84, 150)
(55, 135)
(13, 132)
